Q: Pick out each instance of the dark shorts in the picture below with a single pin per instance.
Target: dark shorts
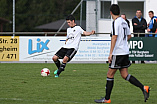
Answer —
(69, 52)
(119, 62)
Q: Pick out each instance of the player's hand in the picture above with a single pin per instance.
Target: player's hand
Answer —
(135, 23)
(110, 58)
(93, 32)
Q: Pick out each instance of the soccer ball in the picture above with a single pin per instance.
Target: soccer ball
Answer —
(45, 72)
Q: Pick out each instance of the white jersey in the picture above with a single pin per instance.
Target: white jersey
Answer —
(74, 37)
(120, 28)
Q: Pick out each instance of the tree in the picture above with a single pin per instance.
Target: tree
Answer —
(6, 12)
(32, 13)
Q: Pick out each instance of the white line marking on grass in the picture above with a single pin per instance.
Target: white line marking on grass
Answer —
(10, 99)
(73, 102)
(18, 99)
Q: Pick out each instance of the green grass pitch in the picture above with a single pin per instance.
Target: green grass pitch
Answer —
(22, 83)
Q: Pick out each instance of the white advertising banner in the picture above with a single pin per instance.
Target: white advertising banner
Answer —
(43, 48)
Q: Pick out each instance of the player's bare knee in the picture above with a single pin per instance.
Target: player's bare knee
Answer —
(54, 58)
(110, 75)
(124, 73)
(124, 76)
(65, 60)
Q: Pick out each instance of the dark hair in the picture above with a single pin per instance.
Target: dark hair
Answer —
(70, 17)
(139, 10)
(151, 12)
(124, 15)
(115, 9)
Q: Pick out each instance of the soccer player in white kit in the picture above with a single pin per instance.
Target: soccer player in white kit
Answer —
(71, 46)
(119, 56)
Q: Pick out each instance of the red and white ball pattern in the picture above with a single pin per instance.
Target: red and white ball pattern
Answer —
(45, 72)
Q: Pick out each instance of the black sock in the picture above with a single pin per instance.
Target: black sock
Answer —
(61, 68)
(135, 82)
(57, 63)
(109, 86)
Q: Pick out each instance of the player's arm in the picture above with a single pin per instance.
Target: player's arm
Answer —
(113, 42)
(128, 34)
(88, 33)
(66, 41)
(129, 37)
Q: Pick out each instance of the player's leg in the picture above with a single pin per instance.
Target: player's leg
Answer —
(70, 53)
(56, 61)
(59, 55)
(61, 68)
(124, 73)
(145, 89)
(110, 82)
(109, 86)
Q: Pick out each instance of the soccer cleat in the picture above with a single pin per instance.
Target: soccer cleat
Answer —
(103, 100)
(56, 76)
(146, 93)
(55, 72)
